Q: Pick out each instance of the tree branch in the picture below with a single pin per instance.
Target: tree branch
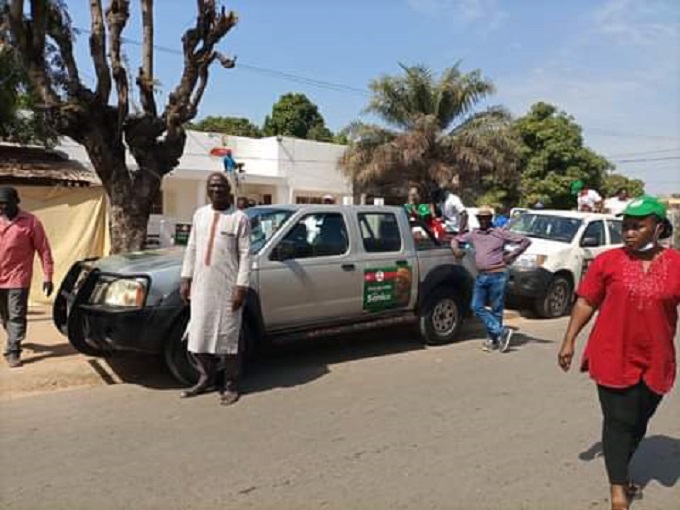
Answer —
(26, 34)
(210, 27)
(117, 15)
(145, 79)
(98, 51)
(58, 29)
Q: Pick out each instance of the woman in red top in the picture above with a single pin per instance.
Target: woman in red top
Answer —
(630, 352)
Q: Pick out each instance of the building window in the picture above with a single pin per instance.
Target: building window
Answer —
(308, 200)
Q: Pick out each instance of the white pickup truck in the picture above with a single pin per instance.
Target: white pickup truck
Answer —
(564, 243)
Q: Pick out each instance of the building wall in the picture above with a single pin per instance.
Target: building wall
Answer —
(286, 168)
(312, 168)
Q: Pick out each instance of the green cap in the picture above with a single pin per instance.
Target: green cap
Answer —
(644, 206)
(576, 186)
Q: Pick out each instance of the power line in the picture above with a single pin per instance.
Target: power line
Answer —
(303, 80)
(643, 153)
(645, 160)
(349, 89)
(622, 134)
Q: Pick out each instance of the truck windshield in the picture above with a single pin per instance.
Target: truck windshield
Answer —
(544, 226)
(264, 222)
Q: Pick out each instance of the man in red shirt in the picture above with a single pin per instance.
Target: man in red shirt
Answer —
(21, 236)
(630, 353)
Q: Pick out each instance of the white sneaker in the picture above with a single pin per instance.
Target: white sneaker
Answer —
(489, 345)
(505, 339)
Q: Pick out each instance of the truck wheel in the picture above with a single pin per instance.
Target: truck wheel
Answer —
(181, 363)
(77, 333)
(441, 317)
(177, 358)
(557, 299)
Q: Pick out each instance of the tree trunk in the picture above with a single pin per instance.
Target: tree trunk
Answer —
(130, 200)
(131, 194)
(128, 220)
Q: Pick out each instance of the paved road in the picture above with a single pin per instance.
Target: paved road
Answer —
(373, 423)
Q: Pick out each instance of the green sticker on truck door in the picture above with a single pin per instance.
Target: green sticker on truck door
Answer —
(387, 287)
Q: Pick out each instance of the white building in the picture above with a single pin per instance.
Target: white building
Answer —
(276, 170)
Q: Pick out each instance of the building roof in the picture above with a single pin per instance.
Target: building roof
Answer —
(37, 165)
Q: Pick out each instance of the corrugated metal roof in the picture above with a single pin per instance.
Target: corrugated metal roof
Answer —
(36, 163)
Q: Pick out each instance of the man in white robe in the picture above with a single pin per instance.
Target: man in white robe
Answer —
(214, 280)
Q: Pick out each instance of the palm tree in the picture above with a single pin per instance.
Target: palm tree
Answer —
(432, 133)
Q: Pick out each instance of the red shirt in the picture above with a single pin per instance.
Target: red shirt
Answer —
(20, 238)
(633, 334)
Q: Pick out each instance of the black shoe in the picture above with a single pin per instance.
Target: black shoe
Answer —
(230, 395)
(13, 360)
(200, 388)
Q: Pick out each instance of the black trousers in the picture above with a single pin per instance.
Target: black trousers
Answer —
(626, 413)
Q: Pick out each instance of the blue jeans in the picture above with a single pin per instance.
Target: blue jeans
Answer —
(490, 288)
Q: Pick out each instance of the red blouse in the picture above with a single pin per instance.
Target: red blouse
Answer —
(633, 334)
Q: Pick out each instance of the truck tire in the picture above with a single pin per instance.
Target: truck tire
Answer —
(176, 356)
(77, 337)
(181, 363)
(441, 317)
(557, 299)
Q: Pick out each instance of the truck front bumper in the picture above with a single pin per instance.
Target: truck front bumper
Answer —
(528, 283)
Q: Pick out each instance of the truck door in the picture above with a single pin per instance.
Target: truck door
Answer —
(389, 277)
(311, 275)
(593, 242)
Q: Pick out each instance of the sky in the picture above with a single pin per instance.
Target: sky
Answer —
(612, 64)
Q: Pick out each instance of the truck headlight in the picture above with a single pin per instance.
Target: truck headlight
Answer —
(530, 260)
(125, 292)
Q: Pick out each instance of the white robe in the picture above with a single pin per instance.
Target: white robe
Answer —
(216, 268)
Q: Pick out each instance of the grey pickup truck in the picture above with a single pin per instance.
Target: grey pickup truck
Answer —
(316, 270)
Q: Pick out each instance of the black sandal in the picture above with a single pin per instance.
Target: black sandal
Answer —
(197, 390)
(634, 491)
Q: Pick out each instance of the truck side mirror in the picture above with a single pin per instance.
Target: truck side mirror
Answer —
(590, 242)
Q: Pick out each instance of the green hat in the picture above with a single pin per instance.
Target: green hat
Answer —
(644, 206)
(576, 186)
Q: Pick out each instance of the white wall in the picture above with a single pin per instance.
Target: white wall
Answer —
(313, 167)
(292, 167)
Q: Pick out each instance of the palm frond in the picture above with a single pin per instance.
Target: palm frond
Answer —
(390, 101)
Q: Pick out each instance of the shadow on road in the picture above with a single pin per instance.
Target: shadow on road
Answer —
(657, 458)
(142, 369)
(281, 366)
(301, 362)
(47, 351)
(522, 339)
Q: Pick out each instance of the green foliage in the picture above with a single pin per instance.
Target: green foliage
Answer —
(614, 182)
(341, 137)
(236, 126)
(20, 122)
(295, 115)
(553, 156)
(495, 197)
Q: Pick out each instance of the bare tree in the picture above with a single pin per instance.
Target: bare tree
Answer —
(105, 126)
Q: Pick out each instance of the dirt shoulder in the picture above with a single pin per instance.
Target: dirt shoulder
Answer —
(50, 363)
